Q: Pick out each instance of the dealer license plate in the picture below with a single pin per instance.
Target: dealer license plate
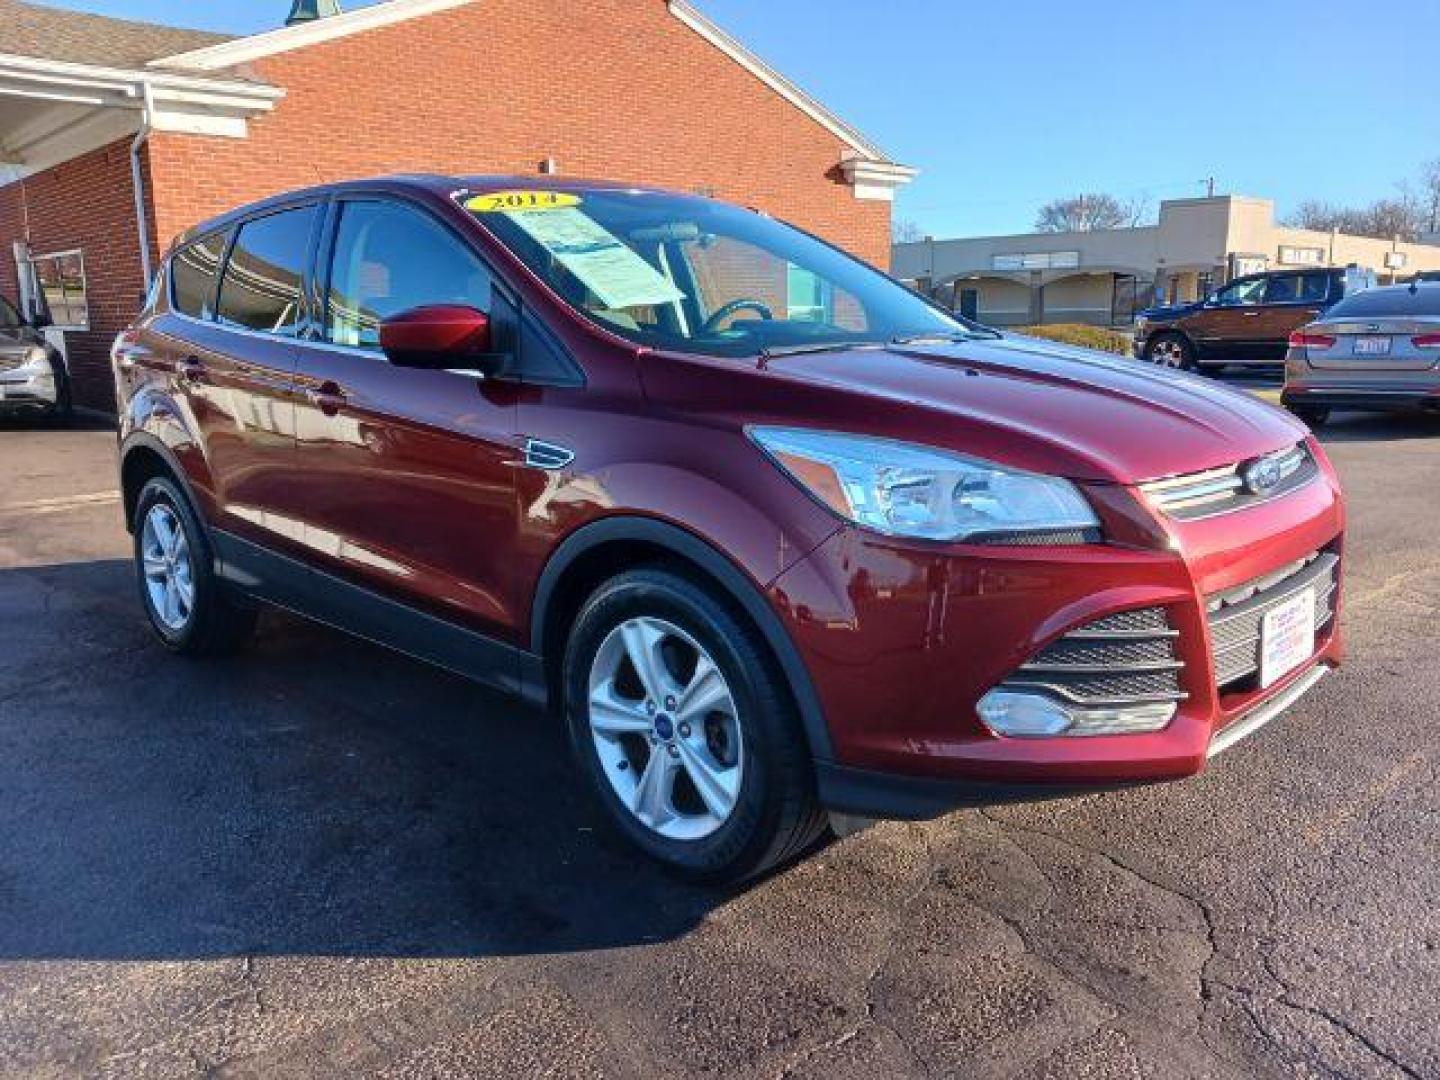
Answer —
(1287, 637)
(1372, 346)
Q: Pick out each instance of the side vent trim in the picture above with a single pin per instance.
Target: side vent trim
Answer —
(545, 455)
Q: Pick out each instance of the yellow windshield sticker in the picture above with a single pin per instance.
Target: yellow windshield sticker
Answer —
(508, 202)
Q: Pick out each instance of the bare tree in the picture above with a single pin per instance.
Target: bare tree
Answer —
(1088, 213)
(904, 231)
(1385, 219)
(1429, 195)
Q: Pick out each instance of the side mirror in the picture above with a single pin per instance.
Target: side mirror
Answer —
(442, 337)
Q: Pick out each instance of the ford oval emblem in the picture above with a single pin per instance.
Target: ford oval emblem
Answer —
(1262, 476)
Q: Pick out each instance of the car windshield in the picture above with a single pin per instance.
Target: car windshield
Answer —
(692, 275)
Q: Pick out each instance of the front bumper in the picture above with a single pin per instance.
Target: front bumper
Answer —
(903, 639)
(873, 794)
(29, 388)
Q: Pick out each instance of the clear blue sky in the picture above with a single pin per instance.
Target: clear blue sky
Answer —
(1003, 106)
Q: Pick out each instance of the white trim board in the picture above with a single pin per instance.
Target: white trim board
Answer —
(732, 48)
(273, 42)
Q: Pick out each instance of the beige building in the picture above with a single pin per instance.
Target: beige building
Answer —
(1104, 277)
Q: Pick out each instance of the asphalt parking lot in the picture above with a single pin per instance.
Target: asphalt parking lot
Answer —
(322, 859)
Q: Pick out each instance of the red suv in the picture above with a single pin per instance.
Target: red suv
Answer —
(776, 535)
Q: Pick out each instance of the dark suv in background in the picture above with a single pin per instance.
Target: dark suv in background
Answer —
(1248, 321)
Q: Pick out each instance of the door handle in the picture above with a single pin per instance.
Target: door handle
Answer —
(1250, 314)
(328, 398)
(191, 369)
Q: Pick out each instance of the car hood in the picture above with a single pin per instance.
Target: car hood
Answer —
(1048, 407)
(1169, 312)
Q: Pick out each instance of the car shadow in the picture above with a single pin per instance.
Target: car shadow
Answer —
(1379, 427)
(314, 795)
(78, 421)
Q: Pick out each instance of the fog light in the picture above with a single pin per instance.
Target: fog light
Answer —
(1022, 715)
(1006, 712)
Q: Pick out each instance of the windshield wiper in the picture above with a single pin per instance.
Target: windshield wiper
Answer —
(947, 338)
(770, 352)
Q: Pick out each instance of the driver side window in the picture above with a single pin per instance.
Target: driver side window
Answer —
(1241, 293)
(726, 270)
(390, 258)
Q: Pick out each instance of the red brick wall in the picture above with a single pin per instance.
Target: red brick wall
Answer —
(616, 89)
(12, 218)
(87, 203)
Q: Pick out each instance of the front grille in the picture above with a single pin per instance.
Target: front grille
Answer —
(1123, 659)
(1236, 615)
(1232, 487)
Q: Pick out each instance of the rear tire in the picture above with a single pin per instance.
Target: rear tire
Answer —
(1170, 350)
(189, 608)
(1310, 415)
(700, 762)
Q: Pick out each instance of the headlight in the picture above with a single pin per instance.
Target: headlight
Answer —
(905, 490)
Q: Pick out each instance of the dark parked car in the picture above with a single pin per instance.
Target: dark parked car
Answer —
(774, 534)
(33, 378)
(1377, 350)
(1247, 322)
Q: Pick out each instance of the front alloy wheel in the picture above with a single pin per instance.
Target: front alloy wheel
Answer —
(666, 729)
(686, 731)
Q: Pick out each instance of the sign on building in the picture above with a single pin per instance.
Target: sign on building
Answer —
(1037, 260)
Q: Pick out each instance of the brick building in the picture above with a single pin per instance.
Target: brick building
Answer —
(116, 136)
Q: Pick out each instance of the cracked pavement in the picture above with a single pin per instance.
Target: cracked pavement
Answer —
(319, 859)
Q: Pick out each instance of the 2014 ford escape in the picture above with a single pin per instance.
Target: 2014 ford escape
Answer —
(776, 535)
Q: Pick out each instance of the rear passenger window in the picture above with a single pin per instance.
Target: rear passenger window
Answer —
(261, 288)
(1283, 290)
(193, 271)
(390, 258)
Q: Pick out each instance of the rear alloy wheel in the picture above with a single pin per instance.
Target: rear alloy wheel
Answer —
(190, 609)
(687, 734)
(1172, 351)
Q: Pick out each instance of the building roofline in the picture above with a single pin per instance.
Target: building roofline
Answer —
(244, 50)
(287, 38)
(53, 75)
(711, 32)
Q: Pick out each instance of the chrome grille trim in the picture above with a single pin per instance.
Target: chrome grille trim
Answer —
(1236, 615)
(1224, 489)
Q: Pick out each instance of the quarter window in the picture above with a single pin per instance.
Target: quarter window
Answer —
(193, 274)
(61, 281)
(261, 286)
(390, 258)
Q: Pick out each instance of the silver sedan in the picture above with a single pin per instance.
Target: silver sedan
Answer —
(1378, 349)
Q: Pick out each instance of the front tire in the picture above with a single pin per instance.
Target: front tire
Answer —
(188, 606)
(685, 732)
(1170, 350)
